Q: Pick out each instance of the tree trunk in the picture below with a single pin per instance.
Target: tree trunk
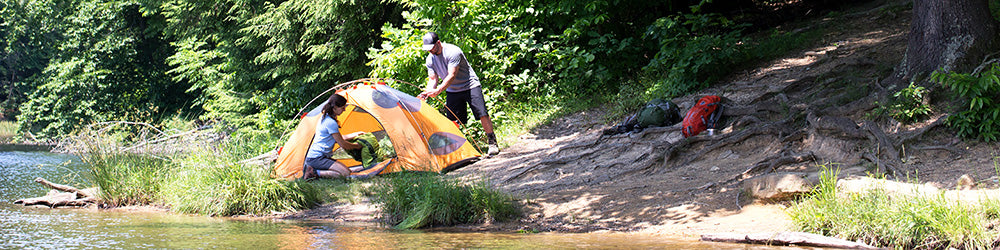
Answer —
(954, 35)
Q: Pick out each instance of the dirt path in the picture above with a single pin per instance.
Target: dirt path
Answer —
(657, 182)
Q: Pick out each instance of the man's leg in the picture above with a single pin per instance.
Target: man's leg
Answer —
(478, 104)
(457, 110)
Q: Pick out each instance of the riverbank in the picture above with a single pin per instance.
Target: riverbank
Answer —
(783, 116)
(788, 115)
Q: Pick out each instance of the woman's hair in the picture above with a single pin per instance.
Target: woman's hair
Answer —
(335, 101)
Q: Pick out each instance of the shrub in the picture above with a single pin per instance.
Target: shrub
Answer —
(980, 91)
(693, 52)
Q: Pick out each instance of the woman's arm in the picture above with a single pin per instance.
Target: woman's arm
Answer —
(342, 140)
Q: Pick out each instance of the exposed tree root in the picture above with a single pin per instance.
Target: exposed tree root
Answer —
(776, 128)
(951, 149)
(887, 158)
(771, 163)
(906, 138)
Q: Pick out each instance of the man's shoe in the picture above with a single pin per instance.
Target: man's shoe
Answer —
(494, 150)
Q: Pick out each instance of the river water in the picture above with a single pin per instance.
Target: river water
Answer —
(43, 228)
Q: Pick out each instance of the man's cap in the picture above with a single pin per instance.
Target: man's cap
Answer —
(430, 39)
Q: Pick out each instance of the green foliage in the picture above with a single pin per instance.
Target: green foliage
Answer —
(980, 92)
(247, 63)
(926, 222)
(258, 62)
(995, 9)
(100, 71)
(907, 105)
(693, 50)
(526, 52)
(29, 35)
(416, 200)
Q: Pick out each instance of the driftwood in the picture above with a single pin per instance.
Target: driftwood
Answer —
(62, 195)
(263, 160)
(786, 238)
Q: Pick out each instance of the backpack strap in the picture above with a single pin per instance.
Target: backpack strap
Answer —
(713, 119)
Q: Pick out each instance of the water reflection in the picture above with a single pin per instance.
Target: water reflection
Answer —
(28, 227)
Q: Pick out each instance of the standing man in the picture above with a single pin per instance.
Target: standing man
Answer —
(460, 81)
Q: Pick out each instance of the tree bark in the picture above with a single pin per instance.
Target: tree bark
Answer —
(954, 35)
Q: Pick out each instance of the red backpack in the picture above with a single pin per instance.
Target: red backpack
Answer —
(703, 115)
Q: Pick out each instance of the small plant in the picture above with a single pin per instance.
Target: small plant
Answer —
(907, 105)
(415, 200)
(979, 90)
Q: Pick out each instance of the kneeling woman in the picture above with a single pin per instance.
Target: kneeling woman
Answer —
(318, 161)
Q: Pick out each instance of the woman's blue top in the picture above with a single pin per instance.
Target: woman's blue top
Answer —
(322, 143)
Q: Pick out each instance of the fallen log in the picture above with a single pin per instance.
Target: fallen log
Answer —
(67, 196)
(64, 188)
(786, 238)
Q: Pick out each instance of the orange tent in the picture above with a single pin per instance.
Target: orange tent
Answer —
(423, 139)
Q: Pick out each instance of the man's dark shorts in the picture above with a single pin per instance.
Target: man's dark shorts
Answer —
(458, 101)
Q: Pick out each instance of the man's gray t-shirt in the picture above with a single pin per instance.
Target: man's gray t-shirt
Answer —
(451, 56)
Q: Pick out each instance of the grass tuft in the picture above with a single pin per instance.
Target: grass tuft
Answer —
(205, 180)
(875, 218)
(211, 182)
(417, 200)
(8, 130)
(123, 178)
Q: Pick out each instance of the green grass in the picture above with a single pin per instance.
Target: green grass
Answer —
(124, 178)
(8, 130)
(234, 190)
(418, 200)
(877, 219)
(211, 182)
(208, 181)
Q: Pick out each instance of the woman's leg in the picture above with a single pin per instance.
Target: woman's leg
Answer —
(328, 168)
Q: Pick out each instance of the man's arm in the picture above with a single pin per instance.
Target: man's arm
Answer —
(432, 80)
(433, 91)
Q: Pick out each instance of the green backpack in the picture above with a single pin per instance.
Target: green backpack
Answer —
(657, 113)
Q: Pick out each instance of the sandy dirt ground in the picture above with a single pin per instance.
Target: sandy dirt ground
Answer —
(658, 182)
